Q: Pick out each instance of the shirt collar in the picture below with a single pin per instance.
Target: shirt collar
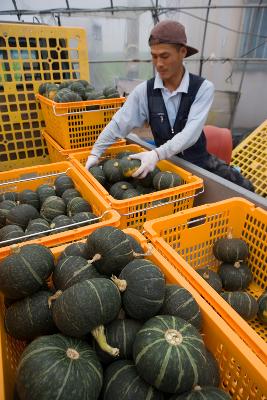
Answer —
(182, 88)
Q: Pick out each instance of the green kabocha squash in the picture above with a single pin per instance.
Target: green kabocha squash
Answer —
(230, 250)
(24, 271)
(36, 226)
(109, 90)
(5, 207)
(142, 285)
(114, 248)
(78, 88)
(10, 232)
(209, 373)
(129, 166)
(77, 205)
(84, 218)
(136, 247)
(112, 170)
(98, 174)
(166, 179)
(64, 85)
(28, 196)
(203, 393)
(147, 182)
(85, 306)
(262, 312)
(58, 367)
(30, 317)
(60, 224)
(44, 191)
(69, 194)
(73, 269)
(128, 194)
(62, 183)
(122, 154)
(12, 196)
(52, 207)
(211, 277)
(117, 189)
(243, 303)
(179, 302)
(235, 276)
(75, 249)
(121, 381)
(168, 353)
(51, 91)
(42, 88)
(21, 215)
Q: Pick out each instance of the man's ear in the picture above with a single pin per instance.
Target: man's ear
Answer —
(183, 50)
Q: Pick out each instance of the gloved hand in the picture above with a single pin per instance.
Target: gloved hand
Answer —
(148, 160)
(91, 161)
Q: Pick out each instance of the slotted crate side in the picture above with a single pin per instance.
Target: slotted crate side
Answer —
(30, 55)
(186, 240)
(135, 211)
(242, 374)
(251, 157)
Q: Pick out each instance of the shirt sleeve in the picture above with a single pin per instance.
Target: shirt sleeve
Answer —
(194, 126)
(133, 114)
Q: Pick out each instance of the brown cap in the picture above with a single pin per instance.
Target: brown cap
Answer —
(170, 32)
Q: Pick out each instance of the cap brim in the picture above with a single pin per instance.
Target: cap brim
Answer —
(190, 51)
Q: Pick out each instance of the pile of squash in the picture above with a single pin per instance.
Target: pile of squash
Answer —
(234, 277)
(107, 326)
(47, 210)
(115, 174)
(75, 90)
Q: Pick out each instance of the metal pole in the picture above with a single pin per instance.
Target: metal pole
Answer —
(204, 39)
(16, 8)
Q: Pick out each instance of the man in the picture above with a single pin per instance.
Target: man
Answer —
(175, 104)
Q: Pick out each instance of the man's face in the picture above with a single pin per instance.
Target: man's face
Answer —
(167, 59)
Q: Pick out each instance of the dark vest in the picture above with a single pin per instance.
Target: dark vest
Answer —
(160, 125)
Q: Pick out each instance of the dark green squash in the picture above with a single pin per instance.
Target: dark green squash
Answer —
(203, 393)
(73, 269)
(64, 85)
(98, 174)
(21, 215)
(168, 353)
(112, 170)
(209, 373)
(9, 232)
(114, 247)
(77, 205)
(211, 277)
(51, 91)
(42, 88)
(28, 196)
(143, 286)
(30, 317)
(62, 183)
(235, 276)
(128, 194)
(262, 312)
(12, 196)
(136, 247)
(84, 218)
(59, 367)
(44, 191)
(36, 226)
(5, 207)
(52, 207)
(122, 154)
(78, 88)
(129, 166)
(166, 179)
(118, 188)
(121, 381)
(24, 272)
(60, 224)
(179, 302)
(75, 249)
(243, 303)
(230, 250)
(73, 312)
(69, 194)
(147, 182)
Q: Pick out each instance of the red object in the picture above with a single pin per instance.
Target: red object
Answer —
(219, 142)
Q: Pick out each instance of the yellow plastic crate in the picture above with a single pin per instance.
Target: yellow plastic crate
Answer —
(32, 54)
(78, 124)
(242, 374)
(251, 157)
(186, 240)
(135, 211)
(32, 177)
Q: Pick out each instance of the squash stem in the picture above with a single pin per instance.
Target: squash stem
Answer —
(120, 283)
(99, 335)
(237, 264)
(95, 258)
(54, 297)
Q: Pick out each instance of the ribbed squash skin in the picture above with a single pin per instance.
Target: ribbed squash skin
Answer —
(12, 196)
(9, 232)
(69, 194)
(120, 334)
(211, 277)
(37, 225)
(171, 368)
(114, 247)
(179, 301)
(129, 166)
(118, 188)
(204, 393)
(61, 221)
(98, 174)
(5, 207)
(62, 183)
(121, 381)
(145, 290)
(243, 303)
(21, 215)
(46, 372)
(230, 250)
(147, 182)
(135, 245)
(112, 171)
(74, 249)
(165, 180)
(84, 218)
(235, 277)
(128, 194)
(209, 373)
(77, 205)
(262, 312)
(73, 269)
(52, 207)
(45, 191)
(24, 273)
(28, 196)
(30, 317)
(73, 312)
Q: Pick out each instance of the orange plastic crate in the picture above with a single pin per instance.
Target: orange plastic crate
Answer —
(135, 211)
(242, 374)
(57, 153)
(78, 124)
(31, 177)
(186, 240)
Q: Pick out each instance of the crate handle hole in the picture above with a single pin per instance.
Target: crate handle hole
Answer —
(197, 221)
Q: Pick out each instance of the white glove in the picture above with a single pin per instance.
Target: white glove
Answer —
(148, 160)
(91, 161)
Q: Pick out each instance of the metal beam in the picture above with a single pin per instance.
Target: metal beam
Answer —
(204, 39)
